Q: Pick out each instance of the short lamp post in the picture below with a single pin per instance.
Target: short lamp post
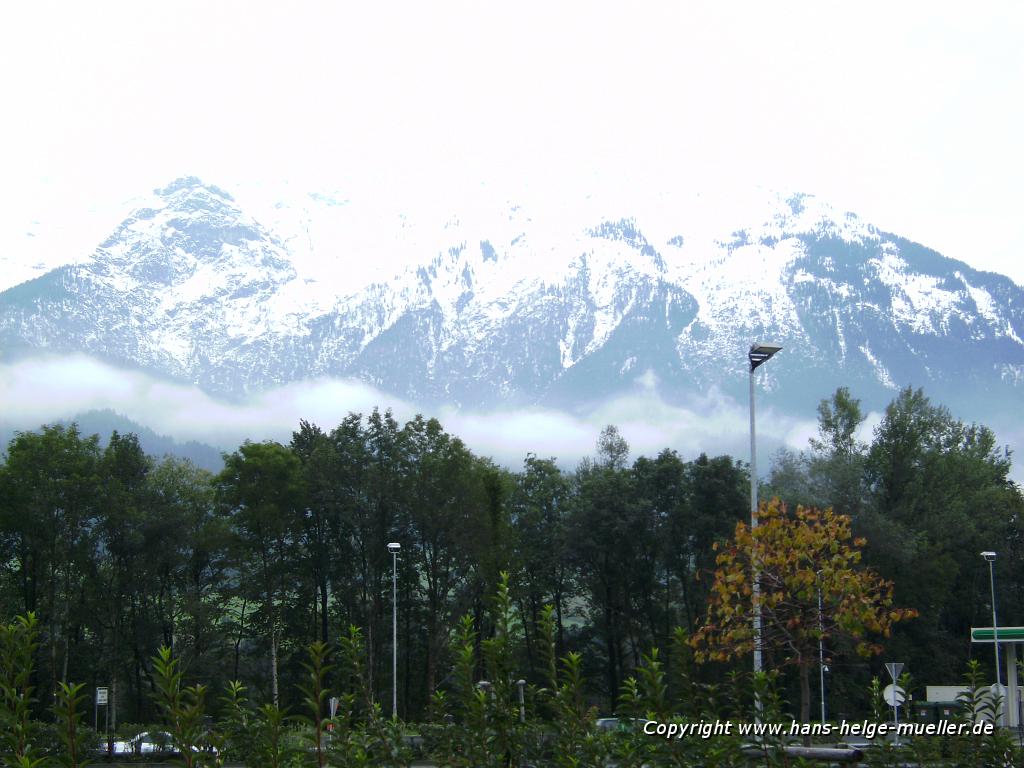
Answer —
(394, 548)
(990, 558)
(758, 354)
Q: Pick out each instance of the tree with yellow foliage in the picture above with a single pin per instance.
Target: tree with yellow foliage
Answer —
(794, 556)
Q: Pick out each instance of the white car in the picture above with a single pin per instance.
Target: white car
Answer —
(627, 724)
(145, 743)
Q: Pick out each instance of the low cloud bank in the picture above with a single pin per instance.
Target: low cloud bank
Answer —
(47, 389)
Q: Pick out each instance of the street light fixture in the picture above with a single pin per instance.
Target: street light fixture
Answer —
(990, 558)
(758, 355)
(394, 548)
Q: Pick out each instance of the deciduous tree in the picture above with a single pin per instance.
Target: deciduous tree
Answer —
(794, 557)
(260, 489)
(939, 492)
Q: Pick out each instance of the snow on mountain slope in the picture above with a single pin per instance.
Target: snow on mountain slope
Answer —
(186, 279)
(504, 303)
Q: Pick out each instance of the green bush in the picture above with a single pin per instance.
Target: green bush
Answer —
(472, 724)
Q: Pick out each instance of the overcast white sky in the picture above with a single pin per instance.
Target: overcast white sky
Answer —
(910, 114)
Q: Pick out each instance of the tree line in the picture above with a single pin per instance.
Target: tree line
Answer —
(118, 553)
(929, 493)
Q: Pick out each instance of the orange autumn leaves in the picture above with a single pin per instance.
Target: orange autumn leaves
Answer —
(795, 555)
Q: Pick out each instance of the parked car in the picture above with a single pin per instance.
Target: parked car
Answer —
(627, 724)
(147, 742)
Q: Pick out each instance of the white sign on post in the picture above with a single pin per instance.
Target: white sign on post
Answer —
(894, 668)
(894, 695)
(101, 696)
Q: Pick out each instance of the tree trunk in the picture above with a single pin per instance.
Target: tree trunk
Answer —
(406, 652)
(431, 660)
(559, 629)
(805, 698)
(684, 584)
(529, 622)
(371, 637)
(115, 657)
(67, 655)
(238, 638)
(273, 663)
(611, 647)
(53, 634)
(26, 571)
(324, 623)
(138, 687)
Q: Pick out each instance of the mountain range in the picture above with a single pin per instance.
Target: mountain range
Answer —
(513, 309)
(104, 422)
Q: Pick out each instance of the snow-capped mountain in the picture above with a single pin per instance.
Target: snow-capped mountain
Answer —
(186, 281)
(510, 306)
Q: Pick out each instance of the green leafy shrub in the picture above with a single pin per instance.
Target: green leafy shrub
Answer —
(17, 648)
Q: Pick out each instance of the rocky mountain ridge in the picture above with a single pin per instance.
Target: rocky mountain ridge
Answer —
(515, 311)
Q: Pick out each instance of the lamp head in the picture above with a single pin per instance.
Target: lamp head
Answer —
(989, 556)
(761, 353)
(394, 547)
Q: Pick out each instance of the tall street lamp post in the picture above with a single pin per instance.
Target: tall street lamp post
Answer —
(822, 669)
(759, 354)
(990, 558)
(394, 548)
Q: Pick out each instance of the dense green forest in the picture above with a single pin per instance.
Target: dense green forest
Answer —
(118, 553)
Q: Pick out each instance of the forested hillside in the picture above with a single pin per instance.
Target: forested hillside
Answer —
(118, 553)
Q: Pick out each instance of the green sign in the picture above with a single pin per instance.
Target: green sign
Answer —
(1006, 634)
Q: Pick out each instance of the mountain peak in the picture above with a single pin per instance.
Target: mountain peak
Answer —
(497, 306)
(192, 185)
(187, 222)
